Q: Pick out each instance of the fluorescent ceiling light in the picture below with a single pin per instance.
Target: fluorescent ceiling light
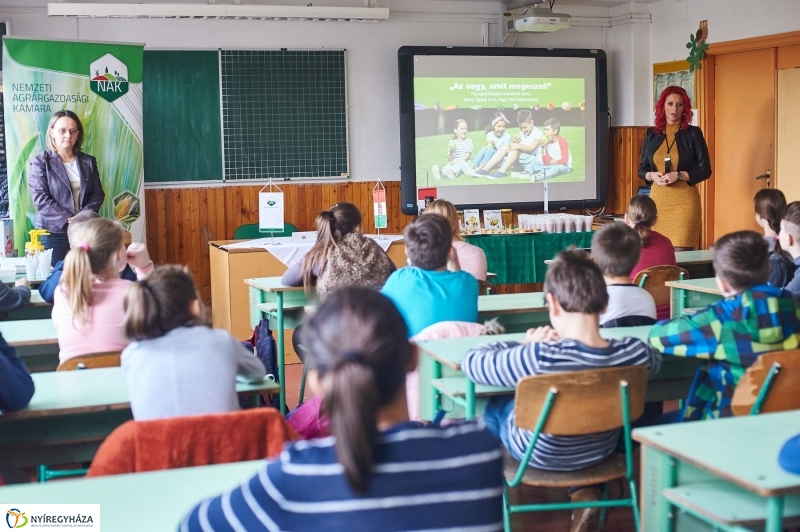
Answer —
(355, 14)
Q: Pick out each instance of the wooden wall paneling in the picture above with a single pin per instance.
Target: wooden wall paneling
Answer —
(788, 57)
(707, 120)
(625, 145)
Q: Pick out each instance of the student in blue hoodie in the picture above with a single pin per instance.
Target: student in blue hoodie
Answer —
(48, 288)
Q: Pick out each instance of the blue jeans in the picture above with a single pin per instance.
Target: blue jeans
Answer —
(484, 154)
(555, 170)
(496, 415)
(59, 243)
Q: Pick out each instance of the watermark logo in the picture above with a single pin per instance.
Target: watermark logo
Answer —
(109, 77)
(16, 518)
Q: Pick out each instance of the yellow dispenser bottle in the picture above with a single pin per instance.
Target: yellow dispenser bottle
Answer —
(34, 245)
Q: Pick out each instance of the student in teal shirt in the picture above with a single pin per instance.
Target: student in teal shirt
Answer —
(433, 288)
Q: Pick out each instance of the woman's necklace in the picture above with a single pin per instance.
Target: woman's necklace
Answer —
(667, 158)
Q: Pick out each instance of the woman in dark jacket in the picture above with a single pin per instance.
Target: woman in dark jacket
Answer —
(63, 181)
(675, 159)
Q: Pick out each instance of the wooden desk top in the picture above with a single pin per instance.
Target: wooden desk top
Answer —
(29, 332)
(512, 303)
(271, 284)
(451, 351)
(708, 286)
(741, 450)
(92, 390)
(125, 499)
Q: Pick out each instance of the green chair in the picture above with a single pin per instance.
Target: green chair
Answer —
(577, 403)
(250, 231)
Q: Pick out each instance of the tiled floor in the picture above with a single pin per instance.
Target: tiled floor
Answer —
(619, 520)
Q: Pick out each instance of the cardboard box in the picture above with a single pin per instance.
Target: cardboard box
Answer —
(7, 236)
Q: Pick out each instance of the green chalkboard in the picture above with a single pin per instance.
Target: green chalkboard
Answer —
(284, 114)
(182, 133)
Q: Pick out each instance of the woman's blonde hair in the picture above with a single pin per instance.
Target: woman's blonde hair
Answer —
(332, 225)
(92, 247)
(643, 213)
(51, 145)
(447, 210)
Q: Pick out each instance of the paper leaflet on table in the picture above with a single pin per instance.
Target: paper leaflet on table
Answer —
(492, 219)
(472, 219)
(270, 209)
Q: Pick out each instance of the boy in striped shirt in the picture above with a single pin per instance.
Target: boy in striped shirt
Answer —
(576, 295)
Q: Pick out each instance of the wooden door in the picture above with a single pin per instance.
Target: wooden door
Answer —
(788, 164)
(744, 142)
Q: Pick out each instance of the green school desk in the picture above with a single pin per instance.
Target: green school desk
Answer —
(37, 309)
(699, 264)
(725, 467)
(516, 312)
(71, 413)
(155, 500)
(284, 306)
(672, 382)
(36, 342)
(692, 293)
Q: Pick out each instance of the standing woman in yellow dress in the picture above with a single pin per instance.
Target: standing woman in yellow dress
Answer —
(675, 159)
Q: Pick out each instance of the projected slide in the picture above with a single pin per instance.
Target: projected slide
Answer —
(499, 130)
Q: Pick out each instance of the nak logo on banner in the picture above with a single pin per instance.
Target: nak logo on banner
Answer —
(109, 77)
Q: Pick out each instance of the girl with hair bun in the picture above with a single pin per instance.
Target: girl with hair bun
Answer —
(378, 471)
(176, 364)
(342, 255)
(87, 304)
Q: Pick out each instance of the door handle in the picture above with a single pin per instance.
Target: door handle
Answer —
(766, 176)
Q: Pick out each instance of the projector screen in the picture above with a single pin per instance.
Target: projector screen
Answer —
(486, 127)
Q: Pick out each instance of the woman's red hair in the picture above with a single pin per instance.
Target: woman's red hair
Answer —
(661, 116)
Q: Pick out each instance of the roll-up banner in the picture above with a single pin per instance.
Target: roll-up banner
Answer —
(102, 84)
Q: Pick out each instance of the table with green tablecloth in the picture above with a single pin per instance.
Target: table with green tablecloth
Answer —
(518, 258)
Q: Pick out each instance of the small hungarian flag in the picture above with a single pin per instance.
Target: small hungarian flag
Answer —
(379, 204)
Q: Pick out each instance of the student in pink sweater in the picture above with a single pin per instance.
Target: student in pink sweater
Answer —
(88, 311)
(471, 258)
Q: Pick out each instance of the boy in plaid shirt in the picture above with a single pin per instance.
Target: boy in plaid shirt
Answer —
(754, 318)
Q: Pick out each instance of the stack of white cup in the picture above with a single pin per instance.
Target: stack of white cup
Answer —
(555, 223)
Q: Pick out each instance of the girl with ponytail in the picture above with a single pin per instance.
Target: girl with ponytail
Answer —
(342, 255)
(378, 470)
(176, 364)
(87, 304)
(769, 206)
(657, 250)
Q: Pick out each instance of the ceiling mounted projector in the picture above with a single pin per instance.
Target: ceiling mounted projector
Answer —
(536, 20)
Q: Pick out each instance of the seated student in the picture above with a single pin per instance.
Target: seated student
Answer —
(378, 471)
(754, 318)
(616, 249)
(176, 364)
(789, 241)
(523, 153)
(769, 206)
(472, 259)
(657, 250)
(576, 296)
(48, 288)
(87, 306)
(16, 385)
(341, 256)
(432, 288)
(556, 156)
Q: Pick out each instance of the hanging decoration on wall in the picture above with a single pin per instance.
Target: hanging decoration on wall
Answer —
(697, 46)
